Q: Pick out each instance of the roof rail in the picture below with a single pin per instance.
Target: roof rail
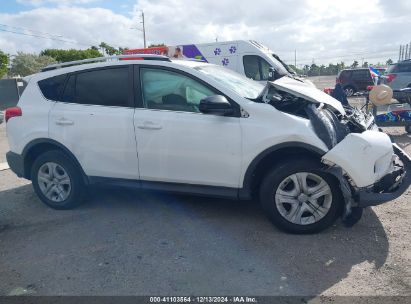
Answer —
(103, 59)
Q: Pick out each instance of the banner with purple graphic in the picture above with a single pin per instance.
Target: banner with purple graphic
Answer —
(186, 51)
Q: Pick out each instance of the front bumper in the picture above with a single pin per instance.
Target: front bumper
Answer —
(16, 163)
(390, 187)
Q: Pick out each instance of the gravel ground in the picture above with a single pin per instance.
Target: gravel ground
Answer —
(127, 242)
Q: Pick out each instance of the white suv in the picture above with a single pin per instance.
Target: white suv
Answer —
(192, 127)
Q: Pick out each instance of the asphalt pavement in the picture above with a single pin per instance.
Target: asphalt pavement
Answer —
(128, 242)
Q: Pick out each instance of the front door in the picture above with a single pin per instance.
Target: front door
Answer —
(175, 142)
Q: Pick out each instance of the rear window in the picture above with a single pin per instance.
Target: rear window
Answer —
(399, 68)
(361, 75)
(52, 87)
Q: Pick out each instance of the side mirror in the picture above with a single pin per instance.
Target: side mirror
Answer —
(216, 104)
(272, 74)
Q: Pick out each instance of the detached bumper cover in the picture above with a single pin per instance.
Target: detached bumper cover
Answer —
(16, 163)
(390, 187)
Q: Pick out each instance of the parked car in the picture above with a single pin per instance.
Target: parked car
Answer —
(355, 80)
(198, 128)
(398, 77)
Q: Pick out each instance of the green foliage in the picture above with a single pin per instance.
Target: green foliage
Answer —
(4, 61)
(389, 61)
(111, 50)
(354, 64)
(315, 70)
(25, 64)
(72, 54)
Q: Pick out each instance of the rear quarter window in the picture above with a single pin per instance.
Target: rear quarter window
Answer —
(52, 87)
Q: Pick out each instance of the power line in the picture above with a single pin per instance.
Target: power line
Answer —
(27, 29)
(43, 37)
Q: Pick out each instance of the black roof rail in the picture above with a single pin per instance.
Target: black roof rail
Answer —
(104, 59)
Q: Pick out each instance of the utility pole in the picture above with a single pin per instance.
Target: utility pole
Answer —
(295, 58)
(144, 29)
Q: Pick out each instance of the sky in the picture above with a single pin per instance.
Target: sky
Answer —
(318, 31)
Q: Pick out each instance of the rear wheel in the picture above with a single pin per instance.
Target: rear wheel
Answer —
(57, 180)
(299, 198)
(408, 129)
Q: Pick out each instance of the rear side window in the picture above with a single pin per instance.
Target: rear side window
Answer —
(69, 90)
(107, 87)
(403, 68)
(103, 87)
(52, 87)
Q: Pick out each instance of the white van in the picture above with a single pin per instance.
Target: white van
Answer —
(246, 57)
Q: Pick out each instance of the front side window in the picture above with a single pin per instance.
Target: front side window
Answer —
(169, 90)
(104, 87)
(257, 68)
(252, 67)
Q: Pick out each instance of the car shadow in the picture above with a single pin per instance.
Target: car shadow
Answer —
(131, 242)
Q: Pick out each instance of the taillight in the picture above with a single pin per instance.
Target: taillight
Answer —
(391, 77)
(12, 112)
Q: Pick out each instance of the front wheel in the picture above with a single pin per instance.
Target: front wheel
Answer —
(299, 198)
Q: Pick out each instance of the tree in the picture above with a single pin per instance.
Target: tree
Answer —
(72, 54)
(111, 50)
(365, 64)
(354, 64)
(25, 64)
(389, 61)
(4, 62)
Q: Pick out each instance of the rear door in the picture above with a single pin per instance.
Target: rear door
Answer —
(94, 120)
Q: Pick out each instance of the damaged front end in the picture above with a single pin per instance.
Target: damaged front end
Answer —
(371, 170)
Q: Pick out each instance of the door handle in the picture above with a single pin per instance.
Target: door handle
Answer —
(149, 125)
(64, 122)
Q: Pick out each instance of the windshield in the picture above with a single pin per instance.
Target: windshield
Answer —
(238, 83)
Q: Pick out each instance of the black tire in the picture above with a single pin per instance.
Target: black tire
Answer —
(408, 129)
(349, 90)
(274, 178)
(77, 188)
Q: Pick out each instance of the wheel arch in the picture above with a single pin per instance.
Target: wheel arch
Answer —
(264, 161)
(34, 148)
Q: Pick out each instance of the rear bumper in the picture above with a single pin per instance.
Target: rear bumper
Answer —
(390, 187)
(16, 163)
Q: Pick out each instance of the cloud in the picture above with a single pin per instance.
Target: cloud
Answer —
(82, 26)
(324, 30)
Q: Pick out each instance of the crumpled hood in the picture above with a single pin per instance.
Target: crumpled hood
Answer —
(303, 90)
